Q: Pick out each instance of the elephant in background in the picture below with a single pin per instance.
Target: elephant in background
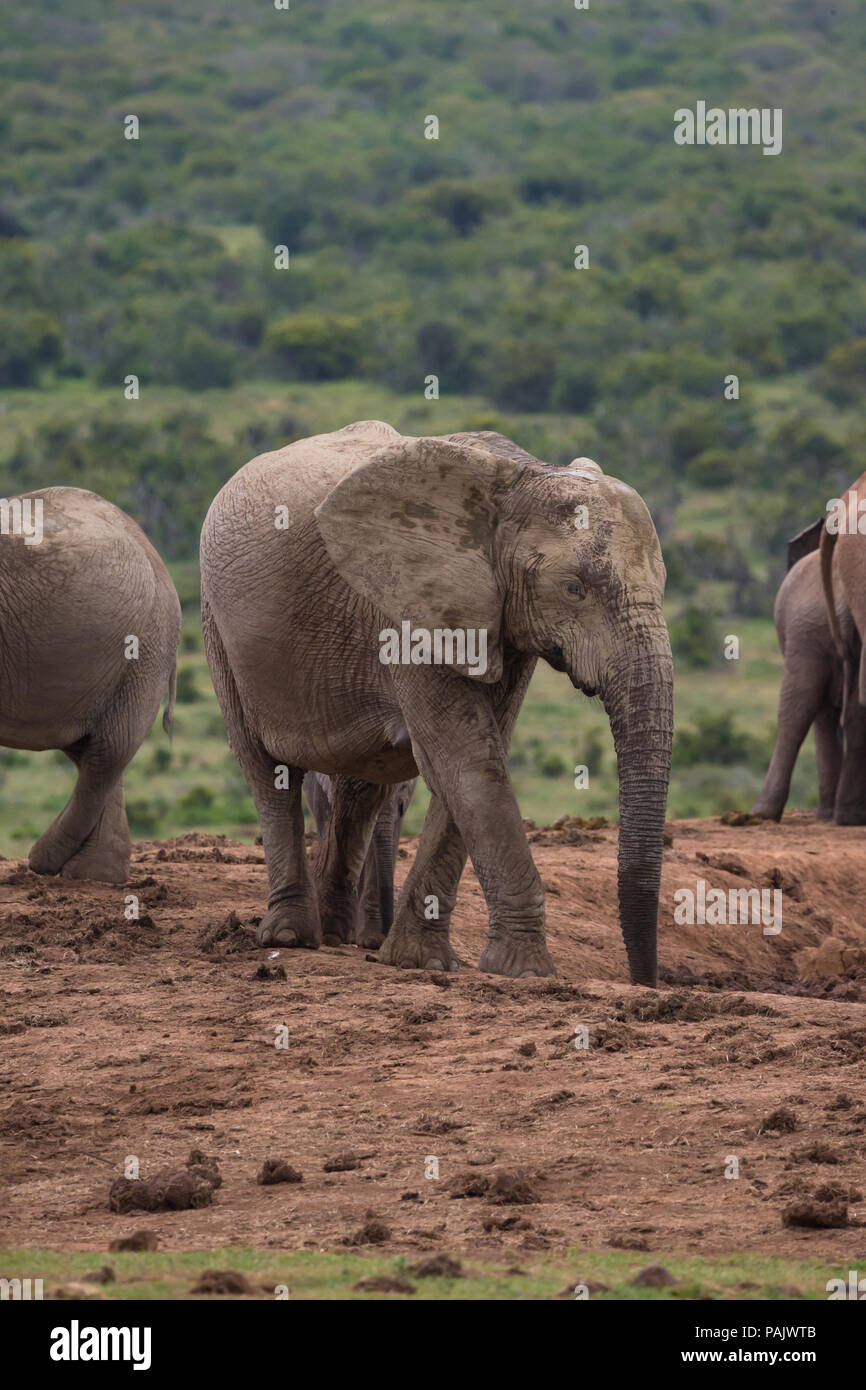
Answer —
(843, 575)
(89, 630)
(338, 881)
(317, 557)
(813, 690)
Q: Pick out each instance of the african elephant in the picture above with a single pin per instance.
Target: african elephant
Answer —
(89, 628)
(811, 691)
(337, 881)
(843, 574)
(330, 571)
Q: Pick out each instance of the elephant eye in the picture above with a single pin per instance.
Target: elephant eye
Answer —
(576, 588)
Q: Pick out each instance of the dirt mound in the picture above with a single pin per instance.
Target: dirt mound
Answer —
(571, 1112)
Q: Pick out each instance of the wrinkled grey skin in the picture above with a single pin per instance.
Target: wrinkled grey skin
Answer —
(465, 531)
(372, 895)
(67, 607)
(812, 694)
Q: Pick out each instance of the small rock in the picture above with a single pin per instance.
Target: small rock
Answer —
(223, 1281)
(384, 1283)
(508, 1189)
(781, 1121)
(373, 1232)
(654, 1277)
(139, 1240)
(816, 1215)
(275, 1170)
(345, 1163)
(438, 1267)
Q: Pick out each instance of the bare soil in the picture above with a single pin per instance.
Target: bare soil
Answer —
(155, 1037)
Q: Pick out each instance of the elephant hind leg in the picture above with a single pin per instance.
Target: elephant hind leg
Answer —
(828, 748)
(292, 918)
(800, 699)
(90, 836)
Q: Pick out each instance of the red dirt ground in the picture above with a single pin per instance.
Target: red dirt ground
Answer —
(154, 1037)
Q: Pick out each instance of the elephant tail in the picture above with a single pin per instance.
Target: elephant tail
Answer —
(827, 547)
(168, 712)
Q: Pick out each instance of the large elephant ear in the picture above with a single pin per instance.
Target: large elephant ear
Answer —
(412, 530)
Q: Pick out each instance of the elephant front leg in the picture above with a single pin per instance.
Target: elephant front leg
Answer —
(461, 750)
(419, 938)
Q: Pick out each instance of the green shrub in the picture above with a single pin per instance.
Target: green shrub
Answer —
(317, 347)
(692, 641)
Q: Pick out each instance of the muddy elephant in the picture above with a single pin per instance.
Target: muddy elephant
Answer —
(374, 606)
(843, 575)
(366, 886)
(89, 629)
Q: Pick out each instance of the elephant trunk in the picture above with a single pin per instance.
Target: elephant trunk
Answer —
(638, 698)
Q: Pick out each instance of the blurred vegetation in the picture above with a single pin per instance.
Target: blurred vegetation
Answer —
(408, 257)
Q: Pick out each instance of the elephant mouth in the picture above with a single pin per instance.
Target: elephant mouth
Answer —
(555, 657)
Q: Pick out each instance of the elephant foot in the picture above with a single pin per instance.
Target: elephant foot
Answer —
(521, 955)
(105, 866)
(415, 947)
(43, 863)
(103, 857)
(850, 815)
(767, 811)
(47, 856)
(289, 925)
(369, 938)
(338, 921)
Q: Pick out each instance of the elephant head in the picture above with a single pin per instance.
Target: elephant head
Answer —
(469, 532)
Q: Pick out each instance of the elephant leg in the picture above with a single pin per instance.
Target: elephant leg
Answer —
(463, 758)
(376, 890)
(90, 837)
(355, 807)
(828, 750)
(851, 792)
(799, 703)
(292, 918)
(418, 938)
(105, 853)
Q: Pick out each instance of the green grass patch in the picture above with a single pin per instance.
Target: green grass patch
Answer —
(332, 1276)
